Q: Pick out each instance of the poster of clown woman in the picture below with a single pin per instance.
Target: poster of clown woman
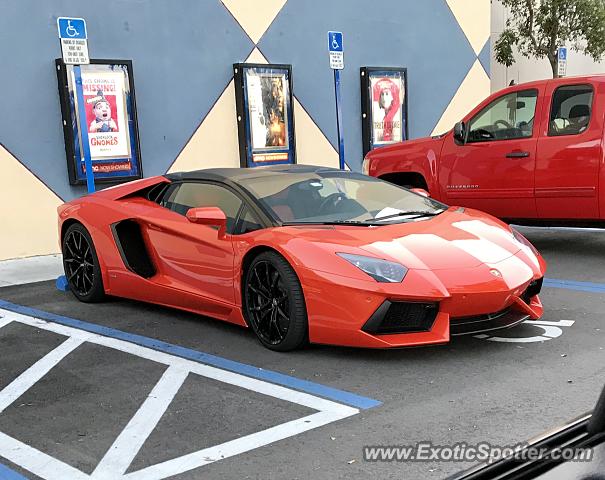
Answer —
(384, 106)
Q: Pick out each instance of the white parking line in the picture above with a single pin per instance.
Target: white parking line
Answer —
(4, 321)
(37, 462)
(233, 447)
(34, 373)
(120, 455)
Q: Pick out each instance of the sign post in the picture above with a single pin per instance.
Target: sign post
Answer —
(562, 57)
(336, 53)
(74, 47)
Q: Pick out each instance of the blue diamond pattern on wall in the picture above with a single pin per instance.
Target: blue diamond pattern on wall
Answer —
(182, 61)
(438, 57)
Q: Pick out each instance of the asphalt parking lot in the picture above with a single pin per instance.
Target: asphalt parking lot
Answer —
(144, 398)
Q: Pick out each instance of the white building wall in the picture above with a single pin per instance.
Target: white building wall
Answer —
(528, 69)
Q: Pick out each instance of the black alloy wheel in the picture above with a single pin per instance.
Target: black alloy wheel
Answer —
(81, 264)
(274, 303)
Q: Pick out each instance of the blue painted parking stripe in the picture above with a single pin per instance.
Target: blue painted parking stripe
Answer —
(575, 285)
(277, 378)
(9, 474)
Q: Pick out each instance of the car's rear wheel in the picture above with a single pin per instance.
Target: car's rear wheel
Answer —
(274, 303)
(81, 264)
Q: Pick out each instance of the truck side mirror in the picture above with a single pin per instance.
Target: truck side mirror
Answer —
(460, 132)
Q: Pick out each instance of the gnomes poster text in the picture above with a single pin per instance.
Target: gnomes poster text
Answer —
(106, 120)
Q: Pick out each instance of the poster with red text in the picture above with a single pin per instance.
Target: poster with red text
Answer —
(387, 94)
(106, 116)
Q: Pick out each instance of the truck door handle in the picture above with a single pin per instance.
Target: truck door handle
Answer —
(517, 154)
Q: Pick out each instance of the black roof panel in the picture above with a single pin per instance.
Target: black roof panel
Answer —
(235, 174)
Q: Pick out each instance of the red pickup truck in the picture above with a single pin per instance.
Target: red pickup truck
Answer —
(532, 153)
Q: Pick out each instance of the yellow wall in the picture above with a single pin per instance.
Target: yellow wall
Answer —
(29, 212)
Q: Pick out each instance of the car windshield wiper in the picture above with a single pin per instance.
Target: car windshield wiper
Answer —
(409, 213)
(331, 222)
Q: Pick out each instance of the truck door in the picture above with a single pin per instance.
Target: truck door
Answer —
(569, 153)
(493, 169)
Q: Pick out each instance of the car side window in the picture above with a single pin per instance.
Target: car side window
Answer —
(508, 117)
(570, 110)
(248, 222)
(198, 194)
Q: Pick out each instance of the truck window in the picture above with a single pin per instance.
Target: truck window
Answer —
(570, 110)
(510, 116)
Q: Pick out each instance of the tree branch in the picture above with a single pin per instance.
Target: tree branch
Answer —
(530, 24)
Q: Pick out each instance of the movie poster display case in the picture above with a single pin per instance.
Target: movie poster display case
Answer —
(99, 113)
(265, 117)
(384, 106)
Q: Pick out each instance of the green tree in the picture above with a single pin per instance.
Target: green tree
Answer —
(536, 28)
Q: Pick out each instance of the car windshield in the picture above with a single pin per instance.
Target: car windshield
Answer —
(341, 197)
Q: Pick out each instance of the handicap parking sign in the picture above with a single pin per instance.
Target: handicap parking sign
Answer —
(73, 37)
(335, 41)
(562, 53)
(71, 27)
(562, 61)
(336, 50)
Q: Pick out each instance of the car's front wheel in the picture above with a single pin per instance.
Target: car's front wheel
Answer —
(81, 264)
(274, 303)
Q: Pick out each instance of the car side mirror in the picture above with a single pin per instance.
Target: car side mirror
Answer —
(420, 191)
(210, 216)
(460, 132)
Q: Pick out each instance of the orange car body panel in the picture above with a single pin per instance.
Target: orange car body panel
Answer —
(446, 256)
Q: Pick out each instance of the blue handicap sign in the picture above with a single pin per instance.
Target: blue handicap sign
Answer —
(71, 27)
(562, 53)
(335, 42)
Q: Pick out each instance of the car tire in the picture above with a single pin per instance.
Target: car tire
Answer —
(274, 303)
(81, 265)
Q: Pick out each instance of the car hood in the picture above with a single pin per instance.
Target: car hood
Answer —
(455, 239)
(418, 144)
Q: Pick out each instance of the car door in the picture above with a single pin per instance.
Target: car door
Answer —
(192, 257)
(493, 168)
(569, 154)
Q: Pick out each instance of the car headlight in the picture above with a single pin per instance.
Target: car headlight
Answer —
(380, 270)
(521, 239)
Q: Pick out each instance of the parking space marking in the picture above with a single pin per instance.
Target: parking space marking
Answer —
(272, 377)
(4, 321)
(37, 462)
(575, 285)
(551, 330)
(120, 455)
(34, 373)
(8, 474)
(231, 448)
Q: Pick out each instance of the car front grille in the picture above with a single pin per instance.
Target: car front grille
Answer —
(402, 317)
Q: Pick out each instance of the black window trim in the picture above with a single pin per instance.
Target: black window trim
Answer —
(533, 129)
(246, 204)
(239, 223)
(552, 97)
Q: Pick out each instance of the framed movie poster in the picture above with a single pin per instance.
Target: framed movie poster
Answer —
(99, 116)
(265, 120)
(384, 106)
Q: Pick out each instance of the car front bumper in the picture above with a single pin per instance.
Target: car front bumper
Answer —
(350, 312)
